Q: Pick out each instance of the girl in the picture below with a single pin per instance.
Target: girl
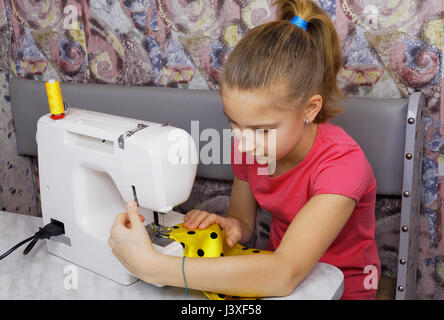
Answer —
(318, 186)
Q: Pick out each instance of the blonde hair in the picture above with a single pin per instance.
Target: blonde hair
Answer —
(307, 61)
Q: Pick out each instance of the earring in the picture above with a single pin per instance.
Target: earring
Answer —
(307, 122)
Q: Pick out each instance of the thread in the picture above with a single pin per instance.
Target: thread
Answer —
(55, 99)
(184, 278)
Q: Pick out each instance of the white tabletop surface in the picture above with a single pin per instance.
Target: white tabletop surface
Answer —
(41, 275)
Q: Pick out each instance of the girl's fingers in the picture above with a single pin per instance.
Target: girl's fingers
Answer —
(195, 219)
(189, 217)
(202, 219)
(128, 224)
(121, 218)
(199, 217)
(191, 214)
(210, 219)
(233, 236)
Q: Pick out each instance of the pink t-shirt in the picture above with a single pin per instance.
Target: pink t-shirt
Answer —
(335, 164)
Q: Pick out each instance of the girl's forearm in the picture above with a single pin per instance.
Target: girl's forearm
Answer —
(255, 275)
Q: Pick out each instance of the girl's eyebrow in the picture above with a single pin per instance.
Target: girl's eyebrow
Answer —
(254, 125)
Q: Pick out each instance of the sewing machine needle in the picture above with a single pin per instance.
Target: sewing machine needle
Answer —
(156, 218)
(135, 195)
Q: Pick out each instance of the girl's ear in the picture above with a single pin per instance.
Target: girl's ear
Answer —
(313, 107)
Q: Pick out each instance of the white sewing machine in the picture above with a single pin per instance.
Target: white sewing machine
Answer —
(91, 163)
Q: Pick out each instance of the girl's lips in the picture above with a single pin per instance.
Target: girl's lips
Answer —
(260, 159)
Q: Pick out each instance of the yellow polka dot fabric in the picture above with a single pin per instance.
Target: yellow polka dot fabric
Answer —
(210, 242)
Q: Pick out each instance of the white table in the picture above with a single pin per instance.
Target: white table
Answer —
(41, 275)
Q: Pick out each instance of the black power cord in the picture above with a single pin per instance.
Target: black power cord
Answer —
(52, 229)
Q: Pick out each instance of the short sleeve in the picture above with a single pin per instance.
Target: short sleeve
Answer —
(347, 173)
(238, 162)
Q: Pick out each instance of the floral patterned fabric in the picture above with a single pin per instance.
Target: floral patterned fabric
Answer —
(390, 49)
(17, 193)
(4, 39)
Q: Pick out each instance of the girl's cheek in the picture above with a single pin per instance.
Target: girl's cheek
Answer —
(270, 144)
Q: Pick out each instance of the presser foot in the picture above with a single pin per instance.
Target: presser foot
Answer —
(157, 234)
(163, 244)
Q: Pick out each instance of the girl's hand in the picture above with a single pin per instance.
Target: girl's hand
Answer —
(202, 219)
(130, 241)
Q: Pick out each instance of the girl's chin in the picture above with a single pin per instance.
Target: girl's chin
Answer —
(263, 160)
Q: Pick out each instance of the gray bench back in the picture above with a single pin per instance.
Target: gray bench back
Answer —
(378, 125)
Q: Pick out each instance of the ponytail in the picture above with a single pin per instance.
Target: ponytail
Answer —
(307, 60)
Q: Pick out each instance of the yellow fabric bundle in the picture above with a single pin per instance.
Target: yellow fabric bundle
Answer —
(209, 242)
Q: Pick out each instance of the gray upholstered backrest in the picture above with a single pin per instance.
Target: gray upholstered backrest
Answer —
(157, 104)
(378, 125)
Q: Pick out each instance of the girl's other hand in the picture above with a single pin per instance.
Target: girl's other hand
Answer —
(202, 219)
(130, 242)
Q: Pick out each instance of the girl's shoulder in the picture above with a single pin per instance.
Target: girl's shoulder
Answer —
(340, 165)
(335, 144)
(334, 134)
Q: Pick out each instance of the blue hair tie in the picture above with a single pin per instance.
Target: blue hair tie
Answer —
(301, 23)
